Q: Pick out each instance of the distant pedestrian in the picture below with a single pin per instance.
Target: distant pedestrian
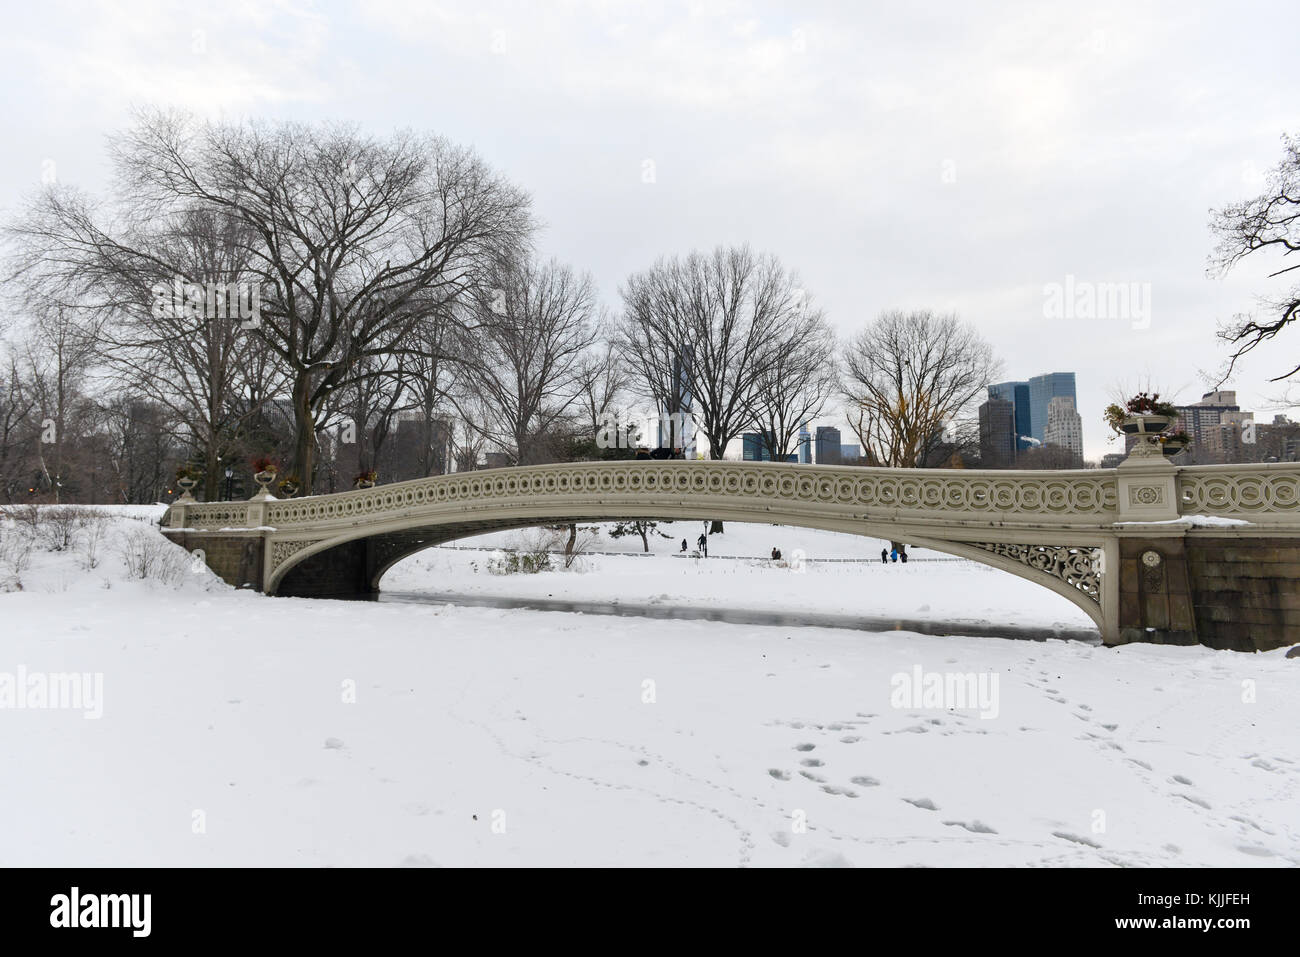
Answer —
(683, 544)
(703, 543)
(884, 557)
(893, 555)
(903, 556)
(776, 554)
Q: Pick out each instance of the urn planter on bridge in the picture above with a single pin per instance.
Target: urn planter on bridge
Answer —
(186, 484)
(264, 479)
(1147, 429)
(1171, 443)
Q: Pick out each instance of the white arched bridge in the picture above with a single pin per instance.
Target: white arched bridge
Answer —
(1151, 551)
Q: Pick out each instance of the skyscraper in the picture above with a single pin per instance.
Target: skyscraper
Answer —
(805, 445)
(828, 445)
(753, 448)
(1064, 425)
(1042, 389)
(1199, 418)
(1017, 393)
(676, 428)
(997, 433)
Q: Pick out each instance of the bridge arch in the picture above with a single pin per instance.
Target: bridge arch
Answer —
(360, 555)
(1150, 551)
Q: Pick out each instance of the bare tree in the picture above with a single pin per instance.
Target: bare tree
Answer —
(601, 381)
(535, 325)
(909, 377)
(349, 241)
(1269, 221)
(19, 428)
(432, 370)
(703, 330)
(60, 351)
(798, 383)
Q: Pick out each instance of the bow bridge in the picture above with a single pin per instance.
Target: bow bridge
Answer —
(1151, 551)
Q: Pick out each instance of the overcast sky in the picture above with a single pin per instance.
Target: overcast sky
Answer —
(961, 157)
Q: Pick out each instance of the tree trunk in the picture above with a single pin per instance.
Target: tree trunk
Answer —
(569, 545)
(212, 474)
(304, 434)
(645, 542)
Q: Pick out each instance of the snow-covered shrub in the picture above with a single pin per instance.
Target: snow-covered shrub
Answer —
(519, 563)
(17, 538)
(58, 525)
(147, 555)
(91, 540)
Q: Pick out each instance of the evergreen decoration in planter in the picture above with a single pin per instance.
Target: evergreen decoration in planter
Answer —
(1145, 416)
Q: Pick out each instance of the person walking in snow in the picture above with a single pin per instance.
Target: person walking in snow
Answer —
(903, 556)
(884, 557)
(893, 555)
(703, 543)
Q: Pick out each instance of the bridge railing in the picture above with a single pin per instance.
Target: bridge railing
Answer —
(1263, 494)
(1069, 497)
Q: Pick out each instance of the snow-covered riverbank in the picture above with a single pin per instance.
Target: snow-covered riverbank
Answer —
(237, 729)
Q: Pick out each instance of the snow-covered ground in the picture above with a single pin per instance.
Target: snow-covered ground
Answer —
(237, 729)
(931, 586)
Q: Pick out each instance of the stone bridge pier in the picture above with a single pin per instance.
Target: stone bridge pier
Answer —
(1151, 551)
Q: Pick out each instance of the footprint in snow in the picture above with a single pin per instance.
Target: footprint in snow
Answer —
(865, 782)
(779, 774)
(333, 744)
(832, 789)
(1179, 779)
(977, 827)
(811, 763)
(925, 804)
(805, 746)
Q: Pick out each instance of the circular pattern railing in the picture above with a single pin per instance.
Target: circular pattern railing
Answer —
(1242, 491)
(921, 491)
